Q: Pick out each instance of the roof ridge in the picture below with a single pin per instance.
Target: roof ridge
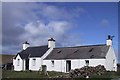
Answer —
(37, 46)
(81, 46)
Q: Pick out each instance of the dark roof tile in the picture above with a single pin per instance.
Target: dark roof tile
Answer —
(33, 52)
(79, 52)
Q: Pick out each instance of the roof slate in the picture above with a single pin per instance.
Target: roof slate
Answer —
(79, 52)
(33, 52)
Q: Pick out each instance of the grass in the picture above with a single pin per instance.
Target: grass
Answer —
(108, 74)
(28, 74)
(52, 74)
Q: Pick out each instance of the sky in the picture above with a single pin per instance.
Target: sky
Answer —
(69, 23)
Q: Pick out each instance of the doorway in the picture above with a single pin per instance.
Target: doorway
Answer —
(27, 64)
(68, 65)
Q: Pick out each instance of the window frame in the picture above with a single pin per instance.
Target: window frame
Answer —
(18, 62)
(53, 63)
(33, 62)
(87, 62)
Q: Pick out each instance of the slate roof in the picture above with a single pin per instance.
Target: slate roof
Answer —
(37, 51)
(79, 52)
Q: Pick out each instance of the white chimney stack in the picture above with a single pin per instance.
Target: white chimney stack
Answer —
(51, 43)
(25, 45)
(109, 40)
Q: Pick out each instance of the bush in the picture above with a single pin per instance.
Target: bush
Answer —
(87, 71)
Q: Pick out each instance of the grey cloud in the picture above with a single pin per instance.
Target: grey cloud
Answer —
(42, 32)
(15, 17)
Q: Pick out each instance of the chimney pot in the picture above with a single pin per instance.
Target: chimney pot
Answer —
(109, 40)
(25, 45)
(51, 43)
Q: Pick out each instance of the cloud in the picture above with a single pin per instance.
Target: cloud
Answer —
(36, 31)
(36, 22)
(57, 13)
(105, 22)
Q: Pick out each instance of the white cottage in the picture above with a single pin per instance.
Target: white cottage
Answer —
(65, 58)
(31, 58)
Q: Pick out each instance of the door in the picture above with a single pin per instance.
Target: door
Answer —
(68, 65)
(27, 64)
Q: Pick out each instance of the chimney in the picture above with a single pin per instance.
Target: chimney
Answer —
(109, 40)
(51, 43)
(25, 45)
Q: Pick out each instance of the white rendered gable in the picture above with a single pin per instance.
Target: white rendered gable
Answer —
(111, 60)
(38, 61)
(18, 63)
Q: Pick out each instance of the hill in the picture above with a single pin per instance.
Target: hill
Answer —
(6, 58)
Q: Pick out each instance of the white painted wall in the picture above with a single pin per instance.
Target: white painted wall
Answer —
(60, 65)
(39, 61)
(15, 63)
(78, 63)
(109, 60)
(37, 65)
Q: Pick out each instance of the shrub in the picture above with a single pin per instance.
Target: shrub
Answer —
(87, 71)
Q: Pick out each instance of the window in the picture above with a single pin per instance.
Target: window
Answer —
(52, 63)
(18, 62)
(87, 62)
(91, 50)
(59, 51)
(113, 61)
(76, 51)
(113, 64)
(92, 56)
(34, 62)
